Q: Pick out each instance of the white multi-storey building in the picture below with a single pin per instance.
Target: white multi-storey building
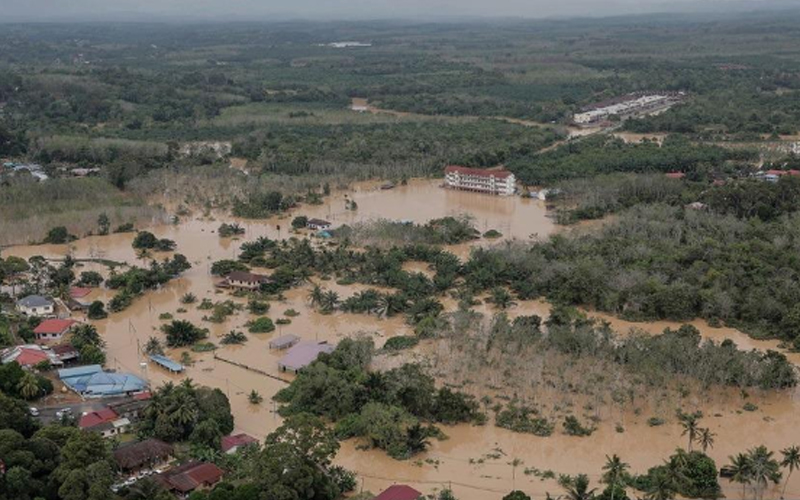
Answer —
(500, 182)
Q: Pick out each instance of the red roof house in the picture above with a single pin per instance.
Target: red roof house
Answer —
(675, 175)
(52, 329)
(232, 443)
(191, 476)
(97, 418)
(31, 357)
(399, 492)
(77, 292)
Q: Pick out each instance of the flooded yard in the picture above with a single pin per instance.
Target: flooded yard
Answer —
(474, 461)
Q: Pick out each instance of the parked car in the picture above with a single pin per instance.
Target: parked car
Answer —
(34, 411)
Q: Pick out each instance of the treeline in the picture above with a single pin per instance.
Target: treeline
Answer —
(422, 146)
(661, 262)
(442, 231)
(605, 155)
(390, 410)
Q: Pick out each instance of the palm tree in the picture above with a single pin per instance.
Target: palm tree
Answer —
(255, 398)
(763, 469)
(315, 296)
(689, 422)
(330, 300)
(662, 487)
(614, 472)
(153, 346)
(578, 488)
(501, 298)
(28, 386)
(706, 439)
(791, 461)
(416, 439)
(145, 489)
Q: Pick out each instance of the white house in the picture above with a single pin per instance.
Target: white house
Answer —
(36, 305)
(318, 224)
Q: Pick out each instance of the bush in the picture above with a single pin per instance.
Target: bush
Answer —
(573, 427)
(518, 419)
(58, 235)
(260, 325)
(400, 342)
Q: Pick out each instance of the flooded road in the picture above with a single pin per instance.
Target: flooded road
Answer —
(474, 461)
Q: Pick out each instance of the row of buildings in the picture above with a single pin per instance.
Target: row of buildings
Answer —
(491, 181)
(626, 106)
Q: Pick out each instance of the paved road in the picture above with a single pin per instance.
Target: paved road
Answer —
(49, 407)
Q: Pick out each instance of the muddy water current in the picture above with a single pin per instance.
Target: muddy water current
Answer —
(474, 461)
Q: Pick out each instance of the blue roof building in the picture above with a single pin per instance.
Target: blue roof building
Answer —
(93, 382)
(167, 363)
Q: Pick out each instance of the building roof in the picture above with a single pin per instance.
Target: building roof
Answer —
(34, 301)
(77, 292)
(284, 341)
(303, 354)
(188, 477)
(167, 363)
(137, 454)
(246, 277)
(97, 417)
(229, 442)
(318, 222)
(31, 357)
(399, 492)
(65, 351)
(675, 175)
(783, 172)
(54, 326)
(93, 381)
(500, 174)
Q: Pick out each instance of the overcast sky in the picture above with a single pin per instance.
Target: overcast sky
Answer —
(47, 10)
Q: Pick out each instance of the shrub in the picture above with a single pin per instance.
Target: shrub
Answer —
(260, 325)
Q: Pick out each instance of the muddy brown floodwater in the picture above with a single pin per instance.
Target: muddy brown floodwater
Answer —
(474, 461)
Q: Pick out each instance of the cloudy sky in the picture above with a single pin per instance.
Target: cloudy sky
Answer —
(47, 10)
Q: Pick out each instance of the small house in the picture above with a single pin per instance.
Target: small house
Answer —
(245, 280)
(51, 330)
(36, 305)
(318, 224)
(302, 355)
(189, 477)
(399, 492)
(230, 444)
(29, 356)
(144, 454)
(284, 342)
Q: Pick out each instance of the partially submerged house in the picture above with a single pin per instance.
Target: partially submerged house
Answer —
(93, 382)
(399, 492)
(166, 363)
(303, 354)
(244, 280)
(142, 455)
(318, 224)
(78, 300)
(231, 444)
(189, 477)
(36, 305)
(284, 342)
(52, 330)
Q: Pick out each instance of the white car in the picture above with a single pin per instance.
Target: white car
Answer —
(34, 411)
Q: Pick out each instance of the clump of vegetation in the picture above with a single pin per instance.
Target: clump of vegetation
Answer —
(492, 234)
(226, 230)
(400, 342)
(165, 316)
(96, 310)
(188, 298)
(135, 280)
(291, 313)
(233, 337)
(520, 418)
(145, 240)
(573, 427)
(222, 310)
(258, 307)
(260, 325)
(182, 333)
(283, 321)
(255, 398)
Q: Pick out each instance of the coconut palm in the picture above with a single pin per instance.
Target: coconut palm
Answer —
(501, 298)
(791, 461)
(661, 488)
(145, 489)
(689, 422)
(28, 386)
(705, 439)
(255, 398)
(330, 300)
(763, 469)
(614, 472)
(315, 296)
(153, 346)
(578, 488)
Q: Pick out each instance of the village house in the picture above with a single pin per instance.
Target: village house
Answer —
(77, 299)
(36, 305)
(105, 422)
(399, 492)
(132, 408)
(318, 224)
(92, 381)
(145, 454)
(52, 330)
(244, 280)
(29, 356)
(499, 182)
(231, 444)
(303, 354)
(189, 477)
